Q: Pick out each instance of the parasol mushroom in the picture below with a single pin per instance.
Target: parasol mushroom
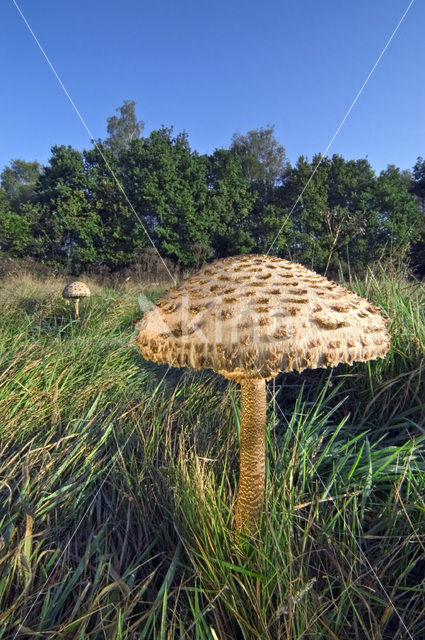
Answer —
(248, 318)
(74, 291)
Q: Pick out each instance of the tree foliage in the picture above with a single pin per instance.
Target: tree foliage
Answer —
(166, 182)
(106, 205)
(346, 214)
(18, 181)
(125, 128)
(263, 159)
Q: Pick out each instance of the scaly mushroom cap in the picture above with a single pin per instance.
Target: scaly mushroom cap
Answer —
(256, 315)
(76, 290)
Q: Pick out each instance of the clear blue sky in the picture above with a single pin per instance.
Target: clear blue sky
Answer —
(213, 68)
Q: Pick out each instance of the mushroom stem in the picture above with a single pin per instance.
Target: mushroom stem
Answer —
(252, 454)
(77, 310)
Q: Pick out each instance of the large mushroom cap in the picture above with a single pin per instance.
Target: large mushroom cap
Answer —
(76, 290)
(257, 315)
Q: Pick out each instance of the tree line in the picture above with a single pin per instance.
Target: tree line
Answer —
(96, 207)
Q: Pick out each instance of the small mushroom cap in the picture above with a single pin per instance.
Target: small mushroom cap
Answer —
(76, 290)
(256, 315)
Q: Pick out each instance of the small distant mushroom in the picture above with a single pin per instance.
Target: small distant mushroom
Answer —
(248, 318)
(74, 291)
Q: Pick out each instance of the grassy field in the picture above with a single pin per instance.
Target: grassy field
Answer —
(118, 479)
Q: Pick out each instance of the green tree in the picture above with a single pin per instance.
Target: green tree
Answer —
(263, 159)
(68, 226)
(400, 219)
(165, 183)
(15, 232)
(120, 234)
(418, 182)
(305, 212)
(265, 166)
(21, 233)
(417, 187)
(229, 203)
(330, 202)
(350, 217)
(125, 128)
(18, 181)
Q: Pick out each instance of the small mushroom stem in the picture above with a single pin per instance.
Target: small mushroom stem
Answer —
(252, 454)
(77, 310)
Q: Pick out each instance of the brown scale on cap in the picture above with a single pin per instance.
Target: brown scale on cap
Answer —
(298, 320)
(260, 309)
(197, 307)
(334, 344)
(246, 323)
(341, 307)
(315, 342)
(298, 292)
(263, 321)
(296, 300)
(283, 332)
(329, 321)
(294, 309)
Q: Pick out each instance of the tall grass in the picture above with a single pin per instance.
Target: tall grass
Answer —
(118, 480)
